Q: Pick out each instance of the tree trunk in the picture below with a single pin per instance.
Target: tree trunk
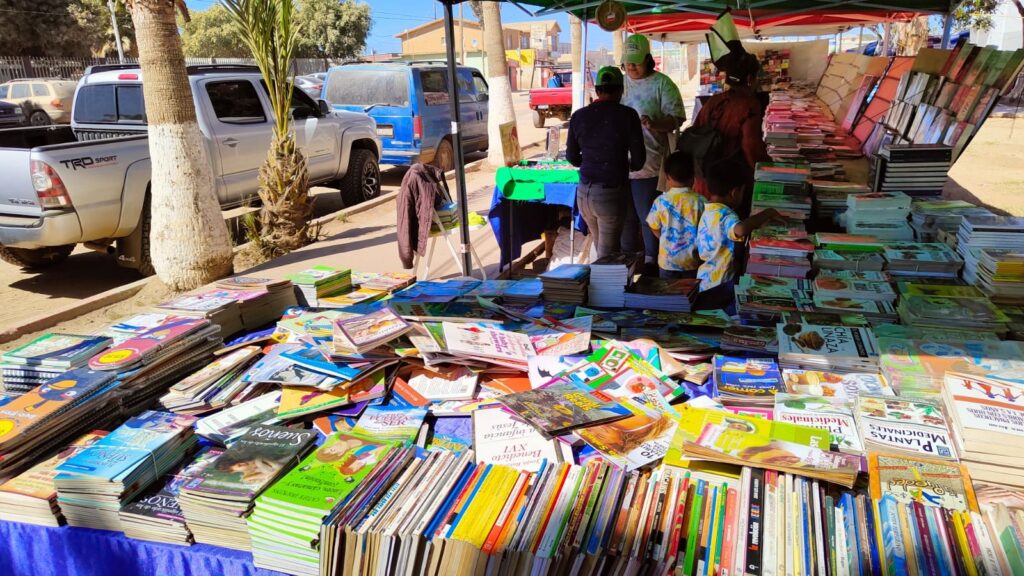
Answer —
(499, 107)
(576, 32)
(617, 42)
(189, 243)
(911, 36)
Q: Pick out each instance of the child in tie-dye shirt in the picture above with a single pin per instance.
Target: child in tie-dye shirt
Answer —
(720, 228)
(674, 218)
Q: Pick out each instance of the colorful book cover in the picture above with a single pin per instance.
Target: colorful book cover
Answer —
(132, 351)
(391, 423)
(616, 370)
(558, 407)
(562, 338)
(999, 360)
(317, 275)
(444, 383)
(840, 342)
(301, 400)
(954, 310)
(928, 481)
(985, 409)
(162, 501)
(826, 413)
(252, 462)
(746, 377)
(905, 426)
(487, 342)
(454, 434)
(938, 290)
(501, 437)
(352, 298)
(37, 481)
(760, 285)
(637, 440)
(311, 358)
(369, 330)
(58, 350)
(35, 406)
(834, 385)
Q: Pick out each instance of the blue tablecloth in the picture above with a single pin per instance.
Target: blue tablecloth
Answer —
(517, 222)
(64, 551)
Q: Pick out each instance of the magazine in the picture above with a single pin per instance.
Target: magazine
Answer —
(559, 407)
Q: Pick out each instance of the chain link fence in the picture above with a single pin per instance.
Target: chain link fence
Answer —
(12, 67)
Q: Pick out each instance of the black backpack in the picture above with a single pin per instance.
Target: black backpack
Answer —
(701, 142)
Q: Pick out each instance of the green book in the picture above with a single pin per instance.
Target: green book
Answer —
(319, 275)
(692, 532)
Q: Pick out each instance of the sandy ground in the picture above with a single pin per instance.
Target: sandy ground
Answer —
(991, 171)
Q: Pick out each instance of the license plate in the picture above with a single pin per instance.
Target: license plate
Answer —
(542, 107)
(386, 131)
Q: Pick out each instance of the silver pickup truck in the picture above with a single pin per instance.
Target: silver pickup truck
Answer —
(88, 183)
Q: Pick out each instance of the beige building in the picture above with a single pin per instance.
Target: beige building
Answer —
(541, 34)
(428, 39)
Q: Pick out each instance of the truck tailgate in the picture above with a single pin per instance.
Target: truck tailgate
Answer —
(17, 195)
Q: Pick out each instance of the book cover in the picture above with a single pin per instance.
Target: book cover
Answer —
(311, 358)
(369, 330)
(487, 342)
(161, 502)
(819, 412)
(559, 407)
(833, 385)
(760, 285)
(35, 406)
(59, 350)
(301, 400)
(928, 481)
(905, 360)
(617, 371)
(573, 272)
(134, 350)
(444, 383)
(37, 481)
(904, 426)
(986, 410)
(501, 437)
(746, 377)
(839, 342)
(392, 423)
(635, 441)
(454, 434)
(317, 275)
(252, 462)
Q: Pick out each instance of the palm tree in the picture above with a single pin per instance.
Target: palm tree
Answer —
(189, 243)
(270, 30)
(500, 109)
(576, 36)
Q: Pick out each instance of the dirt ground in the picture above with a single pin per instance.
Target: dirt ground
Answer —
(991, 171)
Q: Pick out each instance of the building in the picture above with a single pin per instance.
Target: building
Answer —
(541, 34)
(427, 40)
(1005, 33)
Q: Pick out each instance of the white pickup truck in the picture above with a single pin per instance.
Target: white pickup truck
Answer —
(88, 183)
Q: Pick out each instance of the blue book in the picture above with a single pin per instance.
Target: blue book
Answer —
(311, 358)
(747, 377)
(453, 433)
(895, 555)
(574, 272)
(57, 350)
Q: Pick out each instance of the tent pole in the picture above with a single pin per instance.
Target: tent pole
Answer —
(947, 28)
(583, 57)
(456, 132)
(886, 39)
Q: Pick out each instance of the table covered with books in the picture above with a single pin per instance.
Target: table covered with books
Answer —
(525, 203)
(862, 412)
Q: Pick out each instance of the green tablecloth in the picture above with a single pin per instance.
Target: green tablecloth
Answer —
(526, 181)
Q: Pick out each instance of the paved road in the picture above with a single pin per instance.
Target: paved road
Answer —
(86, 273)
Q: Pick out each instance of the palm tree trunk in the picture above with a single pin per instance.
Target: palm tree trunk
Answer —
(189, 243)
(576, 34)
(499, 105)
(617, 42)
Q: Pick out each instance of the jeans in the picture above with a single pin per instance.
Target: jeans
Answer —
(676, 274)
(635, 230)
(603, 207)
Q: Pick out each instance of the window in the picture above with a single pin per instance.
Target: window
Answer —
(236, 102)
(466, 91)
(481, 87)
(435, 87)
(300, 102)
(19, 90)
(348, 86)
(40, 90)
(4, 89)
(524, 42)
(110, 104)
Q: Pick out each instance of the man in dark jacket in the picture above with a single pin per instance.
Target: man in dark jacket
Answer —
(606, 142)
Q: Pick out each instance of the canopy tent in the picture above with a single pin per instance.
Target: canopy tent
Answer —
(691, 29)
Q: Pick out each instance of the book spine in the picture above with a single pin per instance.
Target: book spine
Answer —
(706, 530)
(957, 561)
(729, 537)
(890, 535)
(752, 563)
(693, 533)
(740, 550)
(769, 519)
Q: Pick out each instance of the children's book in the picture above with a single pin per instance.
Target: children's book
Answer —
(929, 481)
(391, 423)
(559, 407)
(57, 350)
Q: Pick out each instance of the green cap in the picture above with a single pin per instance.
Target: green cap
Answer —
(636, 49)
(609, 76)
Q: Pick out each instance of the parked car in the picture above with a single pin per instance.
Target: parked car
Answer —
(409, 101)
(11, 115)
(42, 100)
(310, 85)
(88, 183)
(555, 102)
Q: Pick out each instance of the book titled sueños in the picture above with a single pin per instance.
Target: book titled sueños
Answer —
(161, 501)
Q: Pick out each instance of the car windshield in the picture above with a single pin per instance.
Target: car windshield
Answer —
(362, 87)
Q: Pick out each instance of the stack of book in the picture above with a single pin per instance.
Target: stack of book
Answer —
(783, 187)
(963, 313)
(31, 497)
(908, 260)
(156, 515)
(221, 310)
(261, 301)
(929, 217)
(830, 197)
(882, 215)
(915, 369)
(567, 283)
(779, 251)
(875, 300)
(94, 484)
(217, 501)
(319, 281)
(916, 169)
(828, 348)
(987, 421)
(609, 278)
(47, 357)
(998, 273)
(354, 336)
(523, 292)
(665, 295)
(980, 232)
(387, 281)
(213, 386)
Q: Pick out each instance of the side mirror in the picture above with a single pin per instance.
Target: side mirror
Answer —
(483, 97)
(325, 108)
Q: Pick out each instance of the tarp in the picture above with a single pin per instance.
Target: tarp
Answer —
(758, 8)
(692, 27)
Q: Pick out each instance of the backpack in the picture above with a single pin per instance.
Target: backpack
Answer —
(701, 142)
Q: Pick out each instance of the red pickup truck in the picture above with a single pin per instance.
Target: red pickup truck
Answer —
(555, 102)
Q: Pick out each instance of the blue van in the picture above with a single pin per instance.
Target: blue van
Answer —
(409, 101)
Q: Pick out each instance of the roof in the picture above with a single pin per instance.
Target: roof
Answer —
(759, 8)
(433, 23)
(549, 25)
(673, 28)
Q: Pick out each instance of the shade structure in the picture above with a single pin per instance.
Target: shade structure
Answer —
(757, 7)
(692, 27)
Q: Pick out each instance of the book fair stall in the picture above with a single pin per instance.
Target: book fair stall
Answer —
(862, 412)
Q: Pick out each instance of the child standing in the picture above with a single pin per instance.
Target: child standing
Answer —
(719, 231)
(674, 219)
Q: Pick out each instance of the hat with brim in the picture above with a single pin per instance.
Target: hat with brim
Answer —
(609, 76)
(636, 49)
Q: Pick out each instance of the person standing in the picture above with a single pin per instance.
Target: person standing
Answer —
(605, 142)
(657, 101)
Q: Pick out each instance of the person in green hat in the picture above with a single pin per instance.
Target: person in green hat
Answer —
(657, 101)
(606, 142)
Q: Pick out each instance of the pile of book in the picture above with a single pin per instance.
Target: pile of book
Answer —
(783, 187)
(911, 260)
(916, 169)
(566, 283)
(998, 273)
(882, 215)
(609, 278)
(830, 196)
(661, 294)
(780, 251)
(987, 422)
(46, 358)
(930, 217)
(93, 485)
(865, 293)
(320, 281)
(981, 232)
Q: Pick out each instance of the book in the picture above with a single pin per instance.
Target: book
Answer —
(833, 348)
(362, 333)
(57, 350)
(900, 426)
(846, 386)
(501, 437)
(560, 407)
(928, 481)
(637, 440)
(392, 423)
(487, 342)
(830, 414)
(751, 378)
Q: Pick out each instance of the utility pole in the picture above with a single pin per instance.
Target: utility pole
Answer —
(117, 33)
(462, 31)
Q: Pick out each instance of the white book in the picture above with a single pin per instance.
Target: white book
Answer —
(501, 437)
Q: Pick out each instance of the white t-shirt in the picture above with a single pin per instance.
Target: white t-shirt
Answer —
(655, 96)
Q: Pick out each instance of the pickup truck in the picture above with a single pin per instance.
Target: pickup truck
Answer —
(555, 102)
(88, 183)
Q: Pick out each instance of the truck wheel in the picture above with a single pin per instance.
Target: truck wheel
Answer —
(145, 261)
(444, 158)
(362, 180)
(36, 258)
(538, 119)
(39, 118)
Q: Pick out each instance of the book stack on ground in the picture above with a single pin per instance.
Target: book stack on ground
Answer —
(261, 301)
(216, 501)
(987, 422)
(929, 217)
(979, 232)
(828, 348)
(661, 294)
(609, 278)
(916, 169)
(93, 485)
(221, 310)
(997, 273)
(47, 357)
(780, 251)
(566, 283)
(783, 187)
(31, 497)
(873, 299)
(830, 197)
(155, 515)
(319, 281)
(963, 313)
(882, 215)
(909, 260)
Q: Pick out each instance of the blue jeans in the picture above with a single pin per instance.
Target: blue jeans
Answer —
(603, 207)
(636, 234)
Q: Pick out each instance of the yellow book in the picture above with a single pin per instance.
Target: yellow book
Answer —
(960, 519)
(470, 520)
(720, 495)
(489, 514)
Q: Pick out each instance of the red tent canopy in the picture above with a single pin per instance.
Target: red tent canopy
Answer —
(691, 27)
